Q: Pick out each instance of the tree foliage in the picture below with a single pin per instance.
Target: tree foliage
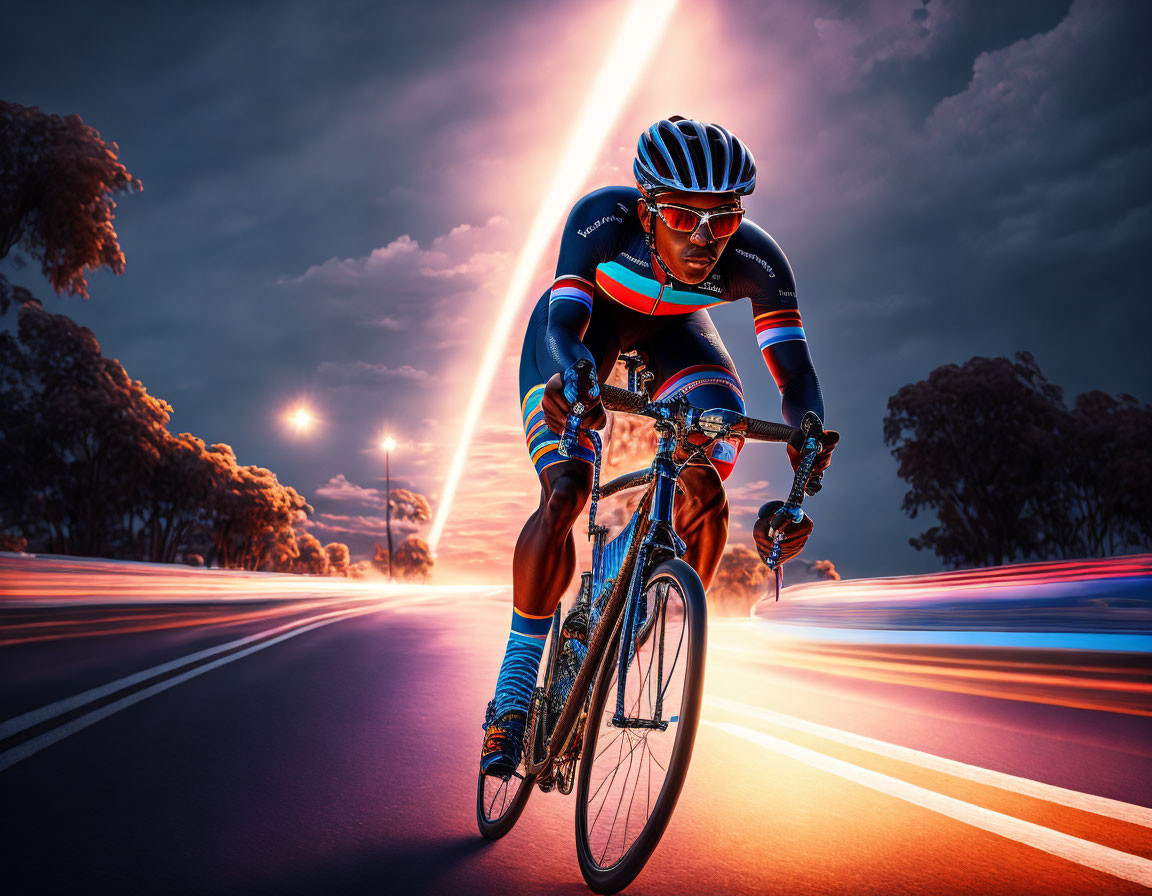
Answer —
(1012, 473)
(91, 469)
(57, 180)
(411, 560)
(742, 579)
(409, 506)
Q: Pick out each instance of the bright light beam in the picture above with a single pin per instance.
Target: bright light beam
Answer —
(626, 59)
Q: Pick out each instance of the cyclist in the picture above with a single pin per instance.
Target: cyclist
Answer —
(636, 271)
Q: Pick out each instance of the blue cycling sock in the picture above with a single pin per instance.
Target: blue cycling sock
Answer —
(521, 661)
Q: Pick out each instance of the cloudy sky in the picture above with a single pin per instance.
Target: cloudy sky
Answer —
(335, 195)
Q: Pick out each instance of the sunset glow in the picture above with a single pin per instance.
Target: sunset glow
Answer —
(625, 61)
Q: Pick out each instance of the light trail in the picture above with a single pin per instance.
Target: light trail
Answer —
(1073, 799)
(1083, 852)
(622, 66)
(1008, 581)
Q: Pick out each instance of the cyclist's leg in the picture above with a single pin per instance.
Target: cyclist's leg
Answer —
(688, 358)
(545, 556)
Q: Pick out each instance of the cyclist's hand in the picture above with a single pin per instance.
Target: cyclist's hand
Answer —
(557, 405)
(795, 534)
(828, 442)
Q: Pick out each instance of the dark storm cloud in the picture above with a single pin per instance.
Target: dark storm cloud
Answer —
(269, 137)
(930, 221)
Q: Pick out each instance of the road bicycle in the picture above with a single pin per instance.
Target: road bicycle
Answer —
(617, 712)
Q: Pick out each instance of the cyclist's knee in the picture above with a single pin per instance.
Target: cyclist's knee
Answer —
(704, 491)
(723, 455)
(566, 498)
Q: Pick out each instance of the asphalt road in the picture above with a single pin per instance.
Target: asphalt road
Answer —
(289, 742)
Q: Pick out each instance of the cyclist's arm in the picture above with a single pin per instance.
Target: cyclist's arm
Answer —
(569, 311)
(769, 283)
(785, 351)
(589, 237)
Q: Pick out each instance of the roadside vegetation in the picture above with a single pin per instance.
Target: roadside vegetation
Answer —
(89, 466)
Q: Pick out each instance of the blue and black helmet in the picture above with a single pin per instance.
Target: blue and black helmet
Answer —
(693, 156)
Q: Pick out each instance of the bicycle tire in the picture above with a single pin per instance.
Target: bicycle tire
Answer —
(493, 827)
(618, 873)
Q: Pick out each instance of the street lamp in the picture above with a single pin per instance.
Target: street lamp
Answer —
(387, 445)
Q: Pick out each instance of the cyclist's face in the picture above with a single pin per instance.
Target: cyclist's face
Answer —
(689, 256)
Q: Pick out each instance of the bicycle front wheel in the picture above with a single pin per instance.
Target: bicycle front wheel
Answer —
(633, 766)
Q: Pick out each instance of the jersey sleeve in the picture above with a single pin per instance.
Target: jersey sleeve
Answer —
(590, 236)
(768, 281)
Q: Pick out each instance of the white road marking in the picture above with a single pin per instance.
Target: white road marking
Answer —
(30, 747)
(1073, 799)
(37, 716)
(265, 639)
(1083, 852)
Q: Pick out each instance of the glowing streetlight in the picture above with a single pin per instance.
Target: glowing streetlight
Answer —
(386, 446)
(301, 419)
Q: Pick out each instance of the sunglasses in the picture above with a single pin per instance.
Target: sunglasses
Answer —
(683, 219)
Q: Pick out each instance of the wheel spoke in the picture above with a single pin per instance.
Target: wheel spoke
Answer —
(622, 761)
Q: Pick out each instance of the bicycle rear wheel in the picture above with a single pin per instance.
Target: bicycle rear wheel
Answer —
(499, 802)
(631, 776)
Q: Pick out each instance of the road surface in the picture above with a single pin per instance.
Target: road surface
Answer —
(172, 731)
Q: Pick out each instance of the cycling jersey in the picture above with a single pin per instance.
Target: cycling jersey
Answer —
(610, 295)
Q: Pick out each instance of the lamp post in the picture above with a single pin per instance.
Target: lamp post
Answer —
(387, 445)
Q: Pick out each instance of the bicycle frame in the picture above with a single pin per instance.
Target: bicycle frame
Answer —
(658, 540)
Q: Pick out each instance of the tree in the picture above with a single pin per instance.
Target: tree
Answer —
(57, 179)
(90, 468)
(1012, 473)
(413, 559)
(312, 559)
(741, 580)
(339, 559)
(410, 506)
(79, 439)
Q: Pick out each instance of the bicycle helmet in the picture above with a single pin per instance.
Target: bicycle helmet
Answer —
(693, 156)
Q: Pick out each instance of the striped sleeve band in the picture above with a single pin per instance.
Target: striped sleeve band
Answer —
(778, 326)
(572, 289)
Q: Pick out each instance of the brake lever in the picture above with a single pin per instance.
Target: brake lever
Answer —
(812, 428)
(569, 439)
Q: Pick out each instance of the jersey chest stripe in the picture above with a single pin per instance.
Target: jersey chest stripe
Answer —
(627, 288)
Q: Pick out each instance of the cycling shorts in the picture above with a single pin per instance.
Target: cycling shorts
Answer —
(684, 353)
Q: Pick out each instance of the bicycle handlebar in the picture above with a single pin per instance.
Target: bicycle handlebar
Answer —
(617, 399)
(805, 438)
